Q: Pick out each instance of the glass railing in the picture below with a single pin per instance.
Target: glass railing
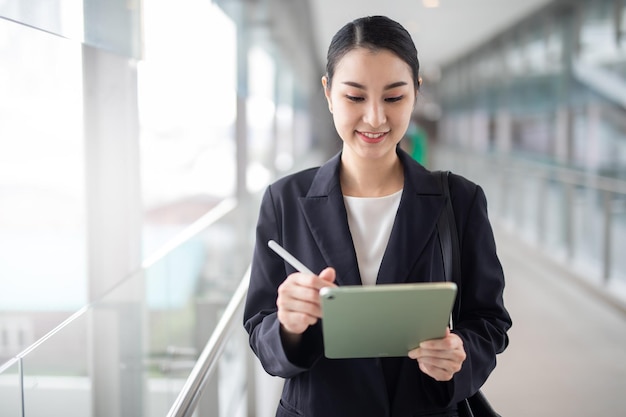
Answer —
(228, 350)
(576, 218)
(130, 352)
(11, 388)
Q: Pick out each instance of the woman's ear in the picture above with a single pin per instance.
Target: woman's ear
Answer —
(417, 91)
(327, 92)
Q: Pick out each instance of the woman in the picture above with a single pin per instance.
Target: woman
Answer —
(368, 216)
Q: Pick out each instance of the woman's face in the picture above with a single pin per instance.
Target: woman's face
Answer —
(371, 98)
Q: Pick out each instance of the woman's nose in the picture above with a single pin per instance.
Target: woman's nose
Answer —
(374, 114)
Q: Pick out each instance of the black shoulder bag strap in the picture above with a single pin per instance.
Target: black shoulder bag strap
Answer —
(477, 405)
(449, 240)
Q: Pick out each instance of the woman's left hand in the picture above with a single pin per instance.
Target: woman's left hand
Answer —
(440, 358)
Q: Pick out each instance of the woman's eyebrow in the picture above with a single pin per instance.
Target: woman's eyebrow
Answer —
(396, 84)
(387, 87)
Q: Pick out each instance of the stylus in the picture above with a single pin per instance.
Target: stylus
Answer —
(289, 257)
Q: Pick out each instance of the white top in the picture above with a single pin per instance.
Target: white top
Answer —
(370, 220)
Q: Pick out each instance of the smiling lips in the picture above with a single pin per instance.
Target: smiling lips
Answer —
(372, 137)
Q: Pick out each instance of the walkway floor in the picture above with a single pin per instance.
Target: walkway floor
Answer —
(567, 352)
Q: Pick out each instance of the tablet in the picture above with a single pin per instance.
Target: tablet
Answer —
(383, 320)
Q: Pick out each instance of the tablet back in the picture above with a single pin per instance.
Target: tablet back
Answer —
(384, 320)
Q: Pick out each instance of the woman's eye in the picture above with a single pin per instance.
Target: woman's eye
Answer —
(394, 99)
(354, 98)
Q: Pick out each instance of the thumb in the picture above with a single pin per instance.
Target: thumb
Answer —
(328, 275)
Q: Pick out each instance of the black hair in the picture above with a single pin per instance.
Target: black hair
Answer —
(374, 33)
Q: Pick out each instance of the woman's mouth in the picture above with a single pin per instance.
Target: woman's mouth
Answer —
(372, 137)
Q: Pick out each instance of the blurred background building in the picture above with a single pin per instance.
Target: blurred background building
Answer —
(137, 135)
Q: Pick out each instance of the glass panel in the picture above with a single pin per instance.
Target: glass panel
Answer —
(10, 391)
(554, 45)
(535, 49)
(607, 137)
(224, 393)
(42, 227)
(186, 294)
(515, 60)
(588, 229)
(598, 43)
(61, 17)
(493, 66)
(532, 132)
(17, 331)
(233, 374)
(117, 345)
(187, 102)
(114, 25)
(133, 349)
(555, 227)
(56, 373)
(600, 139)
(529, 207)
(618, 240)
(171, 310)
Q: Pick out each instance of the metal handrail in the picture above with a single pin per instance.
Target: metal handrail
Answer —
(187, 399)
(568, 176)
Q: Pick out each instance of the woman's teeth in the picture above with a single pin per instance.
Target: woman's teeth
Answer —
(372, 135)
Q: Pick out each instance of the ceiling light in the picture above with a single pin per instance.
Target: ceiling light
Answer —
(431, 4)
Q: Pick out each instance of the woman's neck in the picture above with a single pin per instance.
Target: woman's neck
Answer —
(369, 178)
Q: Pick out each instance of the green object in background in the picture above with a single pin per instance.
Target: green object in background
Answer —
(418, 143)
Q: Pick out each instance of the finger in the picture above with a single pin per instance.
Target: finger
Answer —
(328, 275)
(315, 282)
(299, 300)
(447, 365)
(438, 374)
(295, 322)
(301, 286)
(437, 367)
(454, 355)
(296, 291)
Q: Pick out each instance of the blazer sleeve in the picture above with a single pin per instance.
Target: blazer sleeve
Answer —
(483, 321)
(260, 314)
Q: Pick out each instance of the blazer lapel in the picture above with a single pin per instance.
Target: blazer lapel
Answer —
(414, 226)
(326, 217)
(416, 220)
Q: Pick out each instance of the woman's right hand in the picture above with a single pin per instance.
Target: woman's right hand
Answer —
(298, 301)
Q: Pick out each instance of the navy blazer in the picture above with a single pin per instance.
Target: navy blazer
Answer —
(305, 213)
